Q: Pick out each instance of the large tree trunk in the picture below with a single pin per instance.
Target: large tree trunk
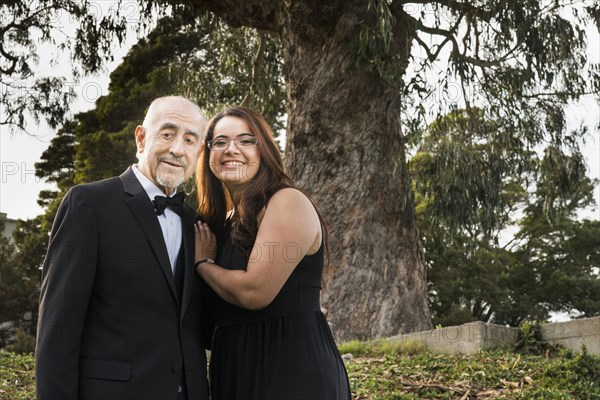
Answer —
(346, 148)
(345, 145)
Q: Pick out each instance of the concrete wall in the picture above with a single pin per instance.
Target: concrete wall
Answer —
(574, 334)
(475, 336)
(464, 339)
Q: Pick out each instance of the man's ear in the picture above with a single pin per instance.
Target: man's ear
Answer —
(140, 138)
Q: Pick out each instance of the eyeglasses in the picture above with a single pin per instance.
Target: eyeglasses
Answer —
(241, 142)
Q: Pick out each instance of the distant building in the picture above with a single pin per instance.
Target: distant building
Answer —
(9, 225)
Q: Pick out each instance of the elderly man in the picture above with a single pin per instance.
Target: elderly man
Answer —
(120, 304)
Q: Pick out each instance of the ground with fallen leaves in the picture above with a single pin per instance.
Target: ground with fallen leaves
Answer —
(486, 375)
(392, 373)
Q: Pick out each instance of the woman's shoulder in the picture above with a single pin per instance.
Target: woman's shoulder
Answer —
(289, 197)
(290, 207)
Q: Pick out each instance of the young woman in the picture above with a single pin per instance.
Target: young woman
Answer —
(271, 340)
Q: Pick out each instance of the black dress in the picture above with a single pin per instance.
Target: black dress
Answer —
(283, 351)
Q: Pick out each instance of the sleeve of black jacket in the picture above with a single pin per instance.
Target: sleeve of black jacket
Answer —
(67, 282)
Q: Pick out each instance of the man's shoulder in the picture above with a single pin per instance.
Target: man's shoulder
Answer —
(97, 187)
(88, 196)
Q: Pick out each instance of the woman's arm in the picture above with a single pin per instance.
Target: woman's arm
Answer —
(289, 230)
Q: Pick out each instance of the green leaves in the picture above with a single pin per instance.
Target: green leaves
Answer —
(478, 182)
(485, 375)
(25, 26)
(564, 186)
(376, 50)
(522, 62)
(20, 260)
(462, 168)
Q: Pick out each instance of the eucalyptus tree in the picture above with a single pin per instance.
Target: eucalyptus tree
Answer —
(477, 180)
(357, 85)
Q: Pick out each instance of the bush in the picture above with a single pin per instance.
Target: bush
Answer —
(531, 341)
(381, 347)
(24, 343)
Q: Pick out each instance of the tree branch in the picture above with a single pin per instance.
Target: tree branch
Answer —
(256, 65)
(265, 15)
(463, 8)
(23, 25)
(449, 36)
(556, 94)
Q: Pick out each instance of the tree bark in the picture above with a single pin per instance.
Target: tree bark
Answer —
(345, 147)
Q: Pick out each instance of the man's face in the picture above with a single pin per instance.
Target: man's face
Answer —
(169, 143)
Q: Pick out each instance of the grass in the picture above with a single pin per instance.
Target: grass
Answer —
(384, 371)
(403, 371)
(17, 380)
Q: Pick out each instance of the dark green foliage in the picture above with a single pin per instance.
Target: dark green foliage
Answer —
(9, 280)
(57, 165)
(559, 260)
(375, 50)
(530, 339)
(474, 179)
(20, 260)
(232, 66)
(464, 165)
(24, 343)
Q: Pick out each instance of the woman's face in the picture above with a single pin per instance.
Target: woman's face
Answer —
(234, 155)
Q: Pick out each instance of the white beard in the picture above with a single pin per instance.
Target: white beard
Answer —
(169, 181)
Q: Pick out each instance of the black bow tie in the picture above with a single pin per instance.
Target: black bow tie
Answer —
(175, 202)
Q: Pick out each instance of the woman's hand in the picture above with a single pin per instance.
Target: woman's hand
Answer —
(206, 242)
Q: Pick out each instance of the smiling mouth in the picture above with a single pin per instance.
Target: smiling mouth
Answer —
(233, 163)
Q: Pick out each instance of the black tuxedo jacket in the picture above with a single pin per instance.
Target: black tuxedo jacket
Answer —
(111, 325)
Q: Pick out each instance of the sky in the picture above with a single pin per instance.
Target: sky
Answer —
(19, 187)
(19, 152)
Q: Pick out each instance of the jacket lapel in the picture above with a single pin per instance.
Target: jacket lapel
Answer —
(141, 207)
(187, 222)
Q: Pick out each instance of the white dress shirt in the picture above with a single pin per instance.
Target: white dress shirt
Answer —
(170, 221)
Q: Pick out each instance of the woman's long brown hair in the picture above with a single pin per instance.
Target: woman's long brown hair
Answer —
(214, 200)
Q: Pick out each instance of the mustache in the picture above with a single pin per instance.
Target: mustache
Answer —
(174, 160)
